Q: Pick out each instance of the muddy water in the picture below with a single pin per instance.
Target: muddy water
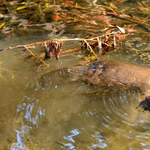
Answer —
(47, 108)
(41, 110)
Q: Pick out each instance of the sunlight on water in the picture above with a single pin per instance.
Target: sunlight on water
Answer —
(20, 139)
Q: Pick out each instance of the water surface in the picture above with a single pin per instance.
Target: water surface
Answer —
(47, 108)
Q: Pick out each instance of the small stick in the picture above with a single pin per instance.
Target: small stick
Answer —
(62, 144)
(99, 45)
(90, 48)
(54, 40)
(28, 50)
(69, 51)
(35, 56)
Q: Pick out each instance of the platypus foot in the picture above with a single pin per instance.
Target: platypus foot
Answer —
(145, 104)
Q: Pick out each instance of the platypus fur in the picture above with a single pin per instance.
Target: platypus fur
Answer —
(120, 74)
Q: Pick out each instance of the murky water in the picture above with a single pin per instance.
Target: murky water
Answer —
(47, 108)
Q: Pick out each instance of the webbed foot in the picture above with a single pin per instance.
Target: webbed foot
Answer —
(145, 104)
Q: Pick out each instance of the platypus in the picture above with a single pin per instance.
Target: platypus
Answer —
(110, 73)
(120, 74)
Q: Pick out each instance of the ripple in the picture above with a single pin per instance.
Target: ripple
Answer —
(114, 113)
(103, 119)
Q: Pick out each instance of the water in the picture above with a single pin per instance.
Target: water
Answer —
(47, 108)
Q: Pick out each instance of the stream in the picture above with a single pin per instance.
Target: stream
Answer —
(44, 108)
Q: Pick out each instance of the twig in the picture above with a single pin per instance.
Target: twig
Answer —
(56, 44)
(28, 50)
(62, 144)
(90, 48)
(35, 56)
(63, 40)
(69, 51)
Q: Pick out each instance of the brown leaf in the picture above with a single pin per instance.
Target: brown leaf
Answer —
(143, 9)
(93, 22)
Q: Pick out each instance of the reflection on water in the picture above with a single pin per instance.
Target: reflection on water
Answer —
(29, 112)
(20, 139)
(70, 115)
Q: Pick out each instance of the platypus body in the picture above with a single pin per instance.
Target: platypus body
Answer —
(109, 73)
(120, 74)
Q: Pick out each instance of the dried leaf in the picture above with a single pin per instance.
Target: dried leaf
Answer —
(91, 30)
(114, 44)
(12, 76)
(47, 4)
(103, 18)
(108, 31)
(2, 25)
(121, 29)
(90, 58)
(8, 38)
(22, 7)
(113, 6)
(140, 4)
(56, 17)
(28, 24)
(144, 9)
(120, 37)
(69, 2)
(93, 22)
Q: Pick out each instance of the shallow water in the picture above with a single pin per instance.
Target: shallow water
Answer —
(43, 110)
(47, 108)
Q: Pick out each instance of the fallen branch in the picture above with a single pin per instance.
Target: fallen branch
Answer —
(101, 43)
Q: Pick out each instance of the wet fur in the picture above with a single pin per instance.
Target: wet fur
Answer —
(120, 74)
